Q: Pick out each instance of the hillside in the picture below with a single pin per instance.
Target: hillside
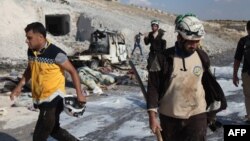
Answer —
(83, 16)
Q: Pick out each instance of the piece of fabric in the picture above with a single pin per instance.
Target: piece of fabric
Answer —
(46, 76)
(185, 95)
(48, 124)
(246, 91)
(154, 65)
(157, 44)
(192, 129)
(243, 48)
(61, 58)
(91, 77)
(158, 82)
(137, 45)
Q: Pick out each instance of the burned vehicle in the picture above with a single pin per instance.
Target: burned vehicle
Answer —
(106, 47)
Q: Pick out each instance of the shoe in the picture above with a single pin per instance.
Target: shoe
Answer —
(214, 125)
(247, 121)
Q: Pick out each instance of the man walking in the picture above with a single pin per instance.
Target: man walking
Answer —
(46, 65)
(183, 90)
(243, 51)
(137, 43)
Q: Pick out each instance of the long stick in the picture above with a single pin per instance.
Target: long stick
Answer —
(158, 135)
(138, 78)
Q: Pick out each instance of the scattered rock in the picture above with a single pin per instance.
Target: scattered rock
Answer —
(3, 112)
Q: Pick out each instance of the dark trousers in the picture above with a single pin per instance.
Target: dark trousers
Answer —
(48, 124)
(135, 46)
(192, 129)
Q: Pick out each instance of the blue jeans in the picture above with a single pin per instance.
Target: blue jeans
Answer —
(135, 46)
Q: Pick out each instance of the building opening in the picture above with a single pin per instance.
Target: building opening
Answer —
(57, 25)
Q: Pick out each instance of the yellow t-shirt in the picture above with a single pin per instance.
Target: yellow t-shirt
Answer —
(47, 78)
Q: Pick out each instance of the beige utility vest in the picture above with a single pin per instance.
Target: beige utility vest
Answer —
(185, 96)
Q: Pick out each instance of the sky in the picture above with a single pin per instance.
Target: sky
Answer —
(204, 9)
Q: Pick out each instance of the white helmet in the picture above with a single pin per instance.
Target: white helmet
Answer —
(156, 22)
(189, 27)
(72, 107)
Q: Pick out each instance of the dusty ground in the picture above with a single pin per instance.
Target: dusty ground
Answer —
(19, 123)
(107, 131)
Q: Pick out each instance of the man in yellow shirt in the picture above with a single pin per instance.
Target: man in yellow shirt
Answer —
(46, 65)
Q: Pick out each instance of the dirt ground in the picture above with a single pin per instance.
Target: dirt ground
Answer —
(122, 116)
(23, 133)
(25, 124)
(19, 123)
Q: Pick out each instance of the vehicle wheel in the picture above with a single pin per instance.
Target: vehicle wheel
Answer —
(94, 64)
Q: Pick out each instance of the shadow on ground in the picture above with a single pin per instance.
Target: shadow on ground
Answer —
(6, 137)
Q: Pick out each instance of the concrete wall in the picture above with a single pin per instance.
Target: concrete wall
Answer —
(84, 28)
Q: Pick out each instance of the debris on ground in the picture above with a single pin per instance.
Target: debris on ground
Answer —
(3, 112)
(92, 78)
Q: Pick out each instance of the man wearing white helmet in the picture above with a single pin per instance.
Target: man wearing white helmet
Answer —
(184, 92)
(157, 45)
